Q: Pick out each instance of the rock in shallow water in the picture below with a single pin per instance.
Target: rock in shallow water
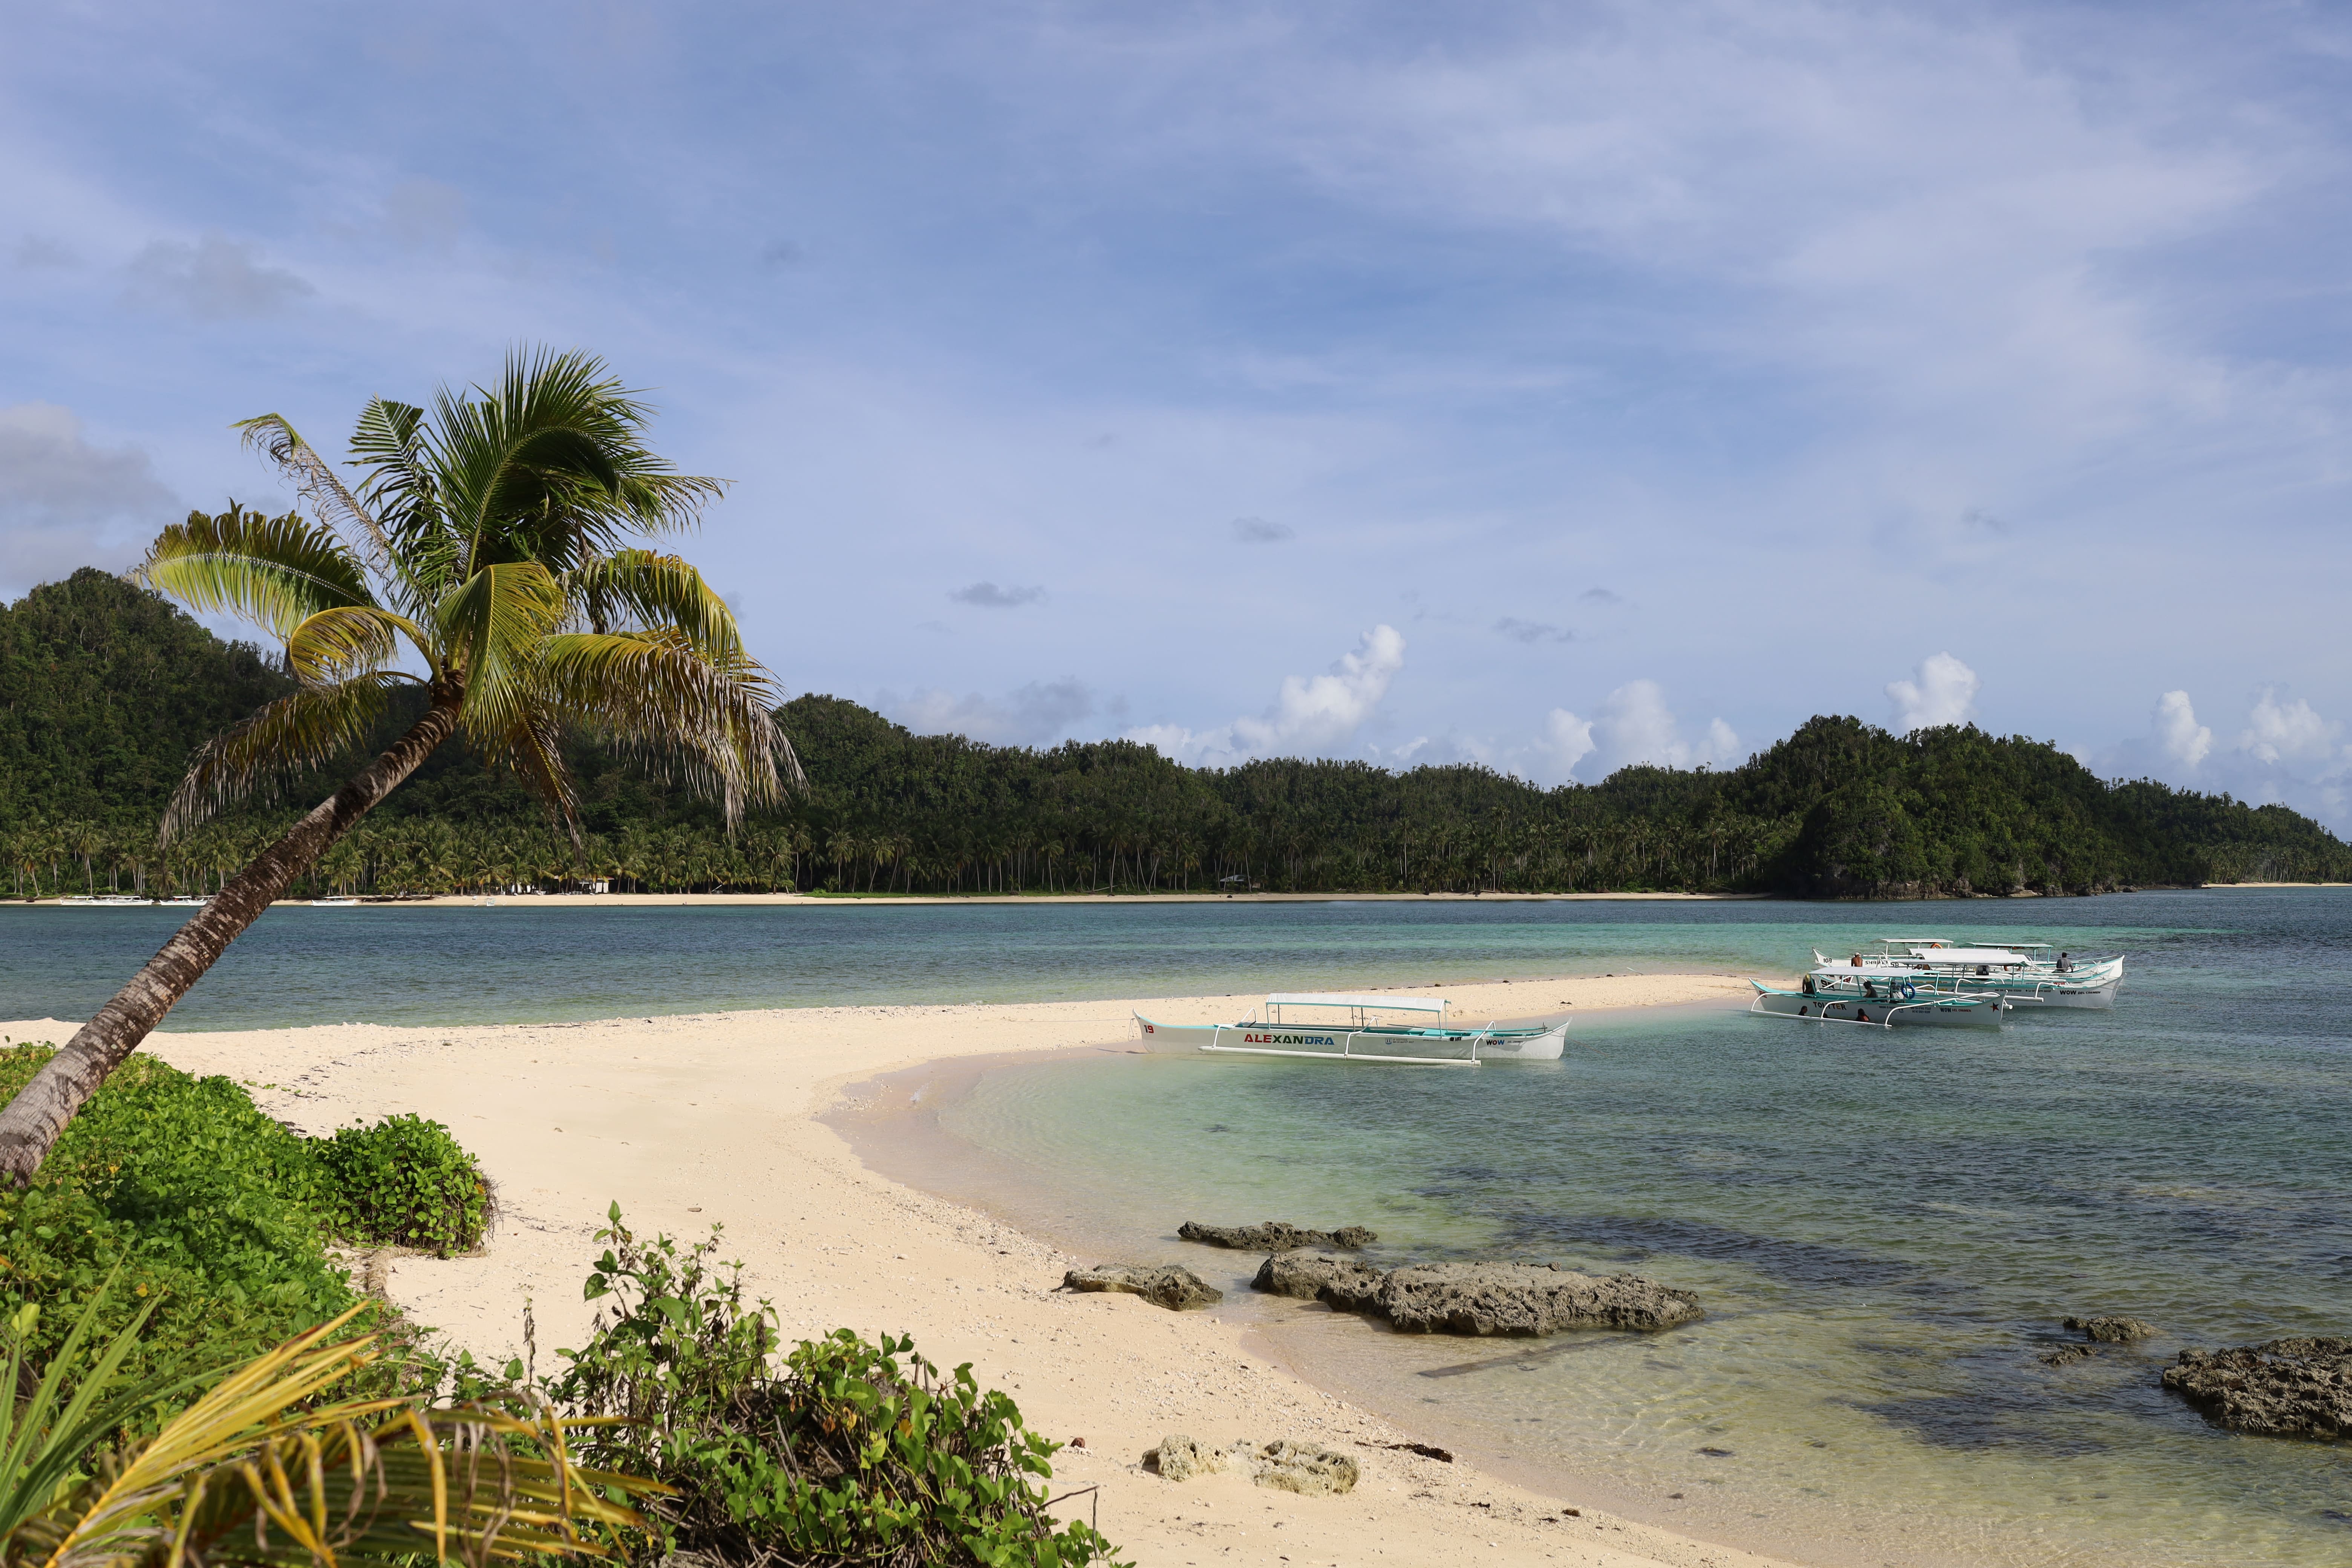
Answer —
(1274, 1236)
(2111, 1330)
(2286, 1388)
(1527, 1299)
(1170, 1284)
(1348, 1284)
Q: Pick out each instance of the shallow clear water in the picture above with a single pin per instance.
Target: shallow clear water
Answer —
(1884, 1227)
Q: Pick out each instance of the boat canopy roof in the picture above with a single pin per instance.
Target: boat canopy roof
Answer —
(1974, 955)
(1347, 999)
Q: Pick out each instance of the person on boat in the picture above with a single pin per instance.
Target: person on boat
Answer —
(1857, 961)
(2064, 966)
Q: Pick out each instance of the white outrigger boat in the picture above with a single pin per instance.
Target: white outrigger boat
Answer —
(1883, 999)
(1356, 1037)
(2025, 973)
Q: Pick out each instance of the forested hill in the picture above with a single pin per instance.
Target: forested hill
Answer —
(105, 688)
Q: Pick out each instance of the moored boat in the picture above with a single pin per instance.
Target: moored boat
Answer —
(1356, 1035)
(1880, 1002)
(2026, 973)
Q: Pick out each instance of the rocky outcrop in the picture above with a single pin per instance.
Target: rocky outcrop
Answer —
(1169, 1284)
(2067, 1355)
(1274, 1236)
(1527, 1299)
(1348, 1284)
(1303, 1467)
(1289, 1467)
(2111, 1330)
(2286, 1388)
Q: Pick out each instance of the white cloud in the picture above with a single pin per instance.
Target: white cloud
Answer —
(1945, 693)
(1567, 740)
(1036, 714)
(1636, 726)
(217, 279)
(2288, 732)
(1310, 716)
(2178, 733)
(64, 503)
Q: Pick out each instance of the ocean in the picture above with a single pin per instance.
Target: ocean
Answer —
(1884, 1227)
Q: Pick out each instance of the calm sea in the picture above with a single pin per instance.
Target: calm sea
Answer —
(1884, 1227)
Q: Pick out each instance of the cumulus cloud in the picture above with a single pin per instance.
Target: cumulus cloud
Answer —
(215, 278)
(65, 503)
(1258, 531)
(1034, 715)
(1944, 693)
(1636, 726)
(2287, 731)
(1567, 740)
(989, 597)
(2177, 733)
(1310, 716)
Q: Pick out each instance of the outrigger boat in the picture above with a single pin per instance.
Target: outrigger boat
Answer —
(1883, 999)
(2024, 973)
(1356, 1037)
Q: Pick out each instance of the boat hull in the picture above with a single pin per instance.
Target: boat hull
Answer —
(1412, 1048)
(1928, 1012)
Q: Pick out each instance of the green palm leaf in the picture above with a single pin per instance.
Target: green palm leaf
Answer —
(276, 571)
(306, 729)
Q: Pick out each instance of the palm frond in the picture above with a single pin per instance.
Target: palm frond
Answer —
(638, 589)
(703, 719)
(490, 630)
(335, 645)
(315, 481)
(311, 725)
(550, 464)
(534, 747)
(276, 572)
(45, 1439)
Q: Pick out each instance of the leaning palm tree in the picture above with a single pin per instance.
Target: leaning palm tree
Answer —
(487, 559)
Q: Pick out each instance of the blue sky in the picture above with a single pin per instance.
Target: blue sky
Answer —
(1556, 385)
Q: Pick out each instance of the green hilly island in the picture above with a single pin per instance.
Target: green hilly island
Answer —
(105, 690)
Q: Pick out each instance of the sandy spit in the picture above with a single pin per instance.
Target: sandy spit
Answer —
(687, 1121)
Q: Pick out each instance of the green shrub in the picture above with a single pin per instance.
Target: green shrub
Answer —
(195, 1195)
(844, 1455)
(405, 1181)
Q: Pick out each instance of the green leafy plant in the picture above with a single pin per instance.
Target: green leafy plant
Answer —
(207, 1214)
(846, 1453)
(267, 1465)
(405, 1181)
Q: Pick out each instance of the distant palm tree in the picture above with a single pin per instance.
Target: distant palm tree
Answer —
(489, 542)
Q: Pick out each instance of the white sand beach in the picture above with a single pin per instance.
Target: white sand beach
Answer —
(685, 1120)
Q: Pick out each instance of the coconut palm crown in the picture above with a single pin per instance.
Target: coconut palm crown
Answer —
(491, 553)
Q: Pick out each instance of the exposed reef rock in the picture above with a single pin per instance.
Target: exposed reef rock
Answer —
(2111, 1330)
(1289, 1467)
(1169, 1284)
(2286, 1388)
(1348, 1284)
(1527, 1299)
(1274, 1236)
(2067, 1355)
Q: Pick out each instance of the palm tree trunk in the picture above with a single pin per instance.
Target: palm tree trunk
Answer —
(32, 1121)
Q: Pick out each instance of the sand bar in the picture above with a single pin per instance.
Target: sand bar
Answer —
(695, 1118)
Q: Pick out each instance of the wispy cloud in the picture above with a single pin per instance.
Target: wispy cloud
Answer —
(1519, 630)
(65, 503)
(989, 597)
(1258, 531)
(1036, 714)
(214, 279)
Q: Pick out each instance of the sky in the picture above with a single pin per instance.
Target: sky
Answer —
(1549, 385)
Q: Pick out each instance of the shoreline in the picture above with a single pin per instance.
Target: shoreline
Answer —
(825, 901)
(689, 1120)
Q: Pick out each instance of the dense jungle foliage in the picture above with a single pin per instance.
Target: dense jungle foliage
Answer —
(104, 688)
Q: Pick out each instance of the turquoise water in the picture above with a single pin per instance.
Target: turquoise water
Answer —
(515, 962)
(1885, 1228)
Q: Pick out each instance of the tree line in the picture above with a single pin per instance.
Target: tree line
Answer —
(105, 690)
